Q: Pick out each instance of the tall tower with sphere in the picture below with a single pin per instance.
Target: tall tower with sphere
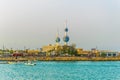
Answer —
(66, 37)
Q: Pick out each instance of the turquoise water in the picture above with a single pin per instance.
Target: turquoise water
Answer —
(54, 70)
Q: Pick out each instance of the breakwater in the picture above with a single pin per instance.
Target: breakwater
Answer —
(61, 58)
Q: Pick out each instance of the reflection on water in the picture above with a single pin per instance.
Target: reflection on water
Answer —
(60, 70)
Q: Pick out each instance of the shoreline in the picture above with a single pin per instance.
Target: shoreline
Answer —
(61, 59)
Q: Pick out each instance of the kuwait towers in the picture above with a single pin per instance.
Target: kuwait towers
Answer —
(65, 38)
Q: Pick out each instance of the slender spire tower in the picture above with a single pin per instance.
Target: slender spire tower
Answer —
(57, 38)
(66, 37)
(3, 48)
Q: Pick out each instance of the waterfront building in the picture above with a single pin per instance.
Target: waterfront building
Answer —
(59, 50)
(33, 52)
(83, 53)
(95, 52)
(88, 53)
(79, 51)
(52, 50)
(108, 53)
(48, 49)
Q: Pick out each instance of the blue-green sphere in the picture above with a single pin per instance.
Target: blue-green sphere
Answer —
(66, 38)
(57, 39)
(66, 29)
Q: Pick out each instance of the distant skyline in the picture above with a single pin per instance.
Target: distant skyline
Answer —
(34, 23)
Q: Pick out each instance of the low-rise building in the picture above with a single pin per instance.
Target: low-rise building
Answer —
(83, 53)
(48, 48)
(95, 52)
(108, 53)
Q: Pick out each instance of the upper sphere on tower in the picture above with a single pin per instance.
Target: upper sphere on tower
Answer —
(66, 29)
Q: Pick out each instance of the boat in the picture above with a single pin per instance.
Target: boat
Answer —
(29, 63)
(11, 62)
(4, 62)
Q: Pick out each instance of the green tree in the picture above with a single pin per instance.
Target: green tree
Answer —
(103, 54)
(11, 51)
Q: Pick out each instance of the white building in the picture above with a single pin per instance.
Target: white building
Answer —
(109, 53)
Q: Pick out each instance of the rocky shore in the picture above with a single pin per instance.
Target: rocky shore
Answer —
(61, 58)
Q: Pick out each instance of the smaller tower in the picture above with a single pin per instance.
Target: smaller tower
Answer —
(57, 38)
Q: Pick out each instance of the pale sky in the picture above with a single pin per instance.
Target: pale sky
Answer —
(34, 23)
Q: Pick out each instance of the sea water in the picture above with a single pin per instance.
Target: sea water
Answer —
(62, 70)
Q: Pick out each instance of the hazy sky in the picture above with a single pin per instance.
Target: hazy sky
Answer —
(34, 23)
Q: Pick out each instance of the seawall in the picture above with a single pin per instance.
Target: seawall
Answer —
(61, 58)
